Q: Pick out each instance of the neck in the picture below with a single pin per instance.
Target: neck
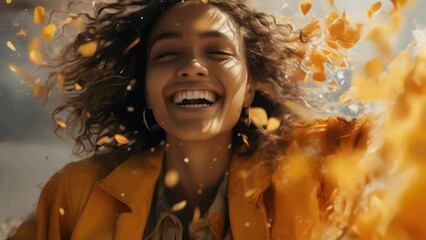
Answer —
(202, 162)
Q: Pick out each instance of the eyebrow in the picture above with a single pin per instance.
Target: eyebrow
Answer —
(171, 35)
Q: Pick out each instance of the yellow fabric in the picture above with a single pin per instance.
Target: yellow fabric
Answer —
(86, 200)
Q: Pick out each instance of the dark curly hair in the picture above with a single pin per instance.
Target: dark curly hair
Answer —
(111, 99)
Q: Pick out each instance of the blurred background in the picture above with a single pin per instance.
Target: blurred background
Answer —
(30, 152)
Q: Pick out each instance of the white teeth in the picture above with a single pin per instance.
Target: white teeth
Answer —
(179, 97)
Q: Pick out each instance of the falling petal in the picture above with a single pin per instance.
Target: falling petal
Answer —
(10, 45)
(374, 8)
(77, 87)
(22, 33)
(258, 116)
(39, 14)
(121, 139)
(273, 124)
(88, 49)
(178, 206)
(312, 29)
(61, 211)
(60, 122)
(306, 6)
(35, 54)
(133, 44)
(398, 4)
(48, 32)
(197, 214)
(373, 68)
(103, 140)
(171, 178)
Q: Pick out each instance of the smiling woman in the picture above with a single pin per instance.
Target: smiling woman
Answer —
(162, 102)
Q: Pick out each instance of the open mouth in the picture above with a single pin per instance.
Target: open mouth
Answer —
(194, 99)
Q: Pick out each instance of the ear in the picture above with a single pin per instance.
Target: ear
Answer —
(250, 91)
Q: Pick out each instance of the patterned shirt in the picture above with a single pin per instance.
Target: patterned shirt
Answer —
(162, 224)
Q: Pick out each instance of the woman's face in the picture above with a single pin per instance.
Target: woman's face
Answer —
(196, 79)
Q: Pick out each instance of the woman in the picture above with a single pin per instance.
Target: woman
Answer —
(164, 104)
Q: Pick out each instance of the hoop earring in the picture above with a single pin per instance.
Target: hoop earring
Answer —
(145, 121)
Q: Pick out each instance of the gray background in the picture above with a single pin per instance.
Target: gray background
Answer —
(29, 150)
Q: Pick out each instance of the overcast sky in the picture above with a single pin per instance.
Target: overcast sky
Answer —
(30, 152)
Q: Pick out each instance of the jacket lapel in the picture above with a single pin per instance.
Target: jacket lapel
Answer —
(133, 183)
(247, 221)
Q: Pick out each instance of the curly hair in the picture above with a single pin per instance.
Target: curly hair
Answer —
(111, 98)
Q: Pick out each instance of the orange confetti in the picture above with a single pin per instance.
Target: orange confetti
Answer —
(77, 87)
(103, 140)
(121, 139)
(374, 8)
(306, 6)
(88, 49)
(258, 116)
(39, 14)
(60, 122)
(48, 32)
(10, 45)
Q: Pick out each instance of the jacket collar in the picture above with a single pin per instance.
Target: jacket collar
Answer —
(133, 183)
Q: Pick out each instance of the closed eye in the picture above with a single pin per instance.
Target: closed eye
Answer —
(165, 55)
(220, 53)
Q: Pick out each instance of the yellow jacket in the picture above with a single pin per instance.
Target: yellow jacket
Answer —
(98, 199)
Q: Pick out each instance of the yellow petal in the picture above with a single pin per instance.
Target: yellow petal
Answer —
(88, 49)
(10, 45)
(77, 87)
(306, 6)
(103, 140)
(374, 8)
(373, 68)
(171, 178)
(178, 206)
(273, 124)
(258, 116)
(39, 14)
(121, 139)
(48, 32)
(61, 123)
(35, 55)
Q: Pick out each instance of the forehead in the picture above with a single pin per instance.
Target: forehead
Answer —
(193, 17)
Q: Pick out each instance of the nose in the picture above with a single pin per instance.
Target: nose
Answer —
(192, 68)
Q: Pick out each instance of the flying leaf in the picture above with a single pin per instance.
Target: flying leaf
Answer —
(39, 14)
